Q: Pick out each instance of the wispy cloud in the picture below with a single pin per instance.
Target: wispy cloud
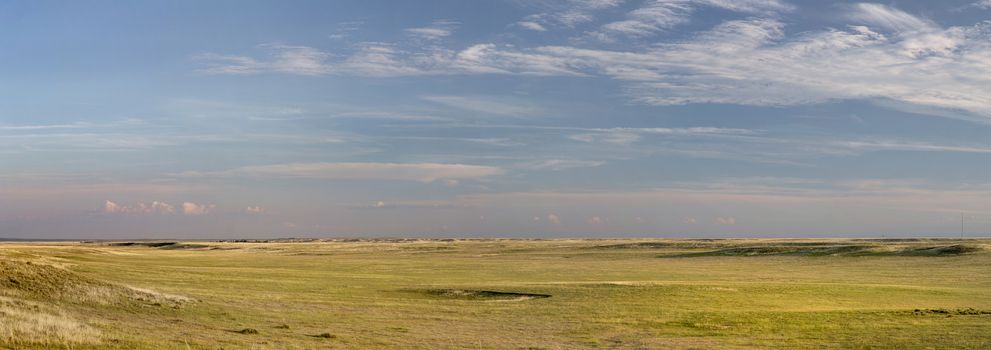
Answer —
(629, 135)
(726, 221)
(437, 30)
(885, 55)
(560, 164)
(423, 172)
(532, 26)
(345, 30)
(385, 60)
(887, 17)
(41, 127)
(416, 204)
(158, 207)
(657, 15)
(301, 60)
(195, 209)
(568, 13)
(771, 195)
(485, 105)
(750, 62)
(911, 146)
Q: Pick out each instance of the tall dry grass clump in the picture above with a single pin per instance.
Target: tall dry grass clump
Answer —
(24, 322)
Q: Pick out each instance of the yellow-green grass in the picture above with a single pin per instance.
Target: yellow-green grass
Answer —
(427, 294)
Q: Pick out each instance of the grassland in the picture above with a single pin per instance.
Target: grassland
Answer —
(498, 294)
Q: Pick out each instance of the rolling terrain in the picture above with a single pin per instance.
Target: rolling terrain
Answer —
(497, 294)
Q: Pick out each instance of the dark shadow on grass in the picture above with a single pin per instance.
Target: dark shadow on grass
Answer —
(475, 294)
(835, 250)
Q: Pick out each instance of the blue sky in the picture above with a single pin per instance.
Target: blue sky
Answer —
(496, 118)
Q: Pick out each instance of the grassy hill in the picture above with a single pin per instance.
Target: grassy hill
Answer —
(497, 294)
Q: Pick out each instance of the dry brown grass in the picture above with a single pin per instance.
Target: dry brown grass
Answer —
(25, 322)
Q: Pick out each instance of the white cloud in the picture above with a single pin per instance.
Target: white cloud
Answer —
(254, 210)
(229, 64)
(40, 127)
(683, 131)
(689, 221)
(438, 30)
(139, 208)
(726, 221)
(911, 146)
(595, 220)
(485, 105)
(625, 136)
(984, 4)
(413, 204)
(750, 63)
(385, 60)
(618, 138)
(657, 15)
(429, 33)
(888, 17)
(554, 219)
(571, 13)
(162, 207)
(111, 207)
(190, 208)
(300, 60)
(494, 59)
(532, 26)
(886, 55)
(757, 7)
(423, 172)
(561, 164)
(379, 60)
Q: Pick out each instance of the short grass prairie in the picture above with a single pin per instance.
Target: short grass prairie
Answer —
(498, 294)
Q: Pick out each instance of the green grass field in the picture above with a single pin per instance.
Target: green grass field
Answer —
(498, 294)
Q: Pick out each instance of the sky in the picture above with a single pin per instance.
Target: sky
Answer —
(510, 118)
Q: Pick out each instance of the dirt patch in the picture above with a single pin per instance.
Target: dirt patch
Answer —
(475, 294)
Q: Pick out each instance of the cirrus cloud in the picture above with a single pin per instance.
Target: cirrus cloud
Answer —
(423, 172)
(880, 54)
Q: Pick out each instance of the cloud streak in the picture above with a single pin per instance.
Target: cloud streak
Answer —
(437, 30)
(422, 172)
(112, 207)
(657, 15)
